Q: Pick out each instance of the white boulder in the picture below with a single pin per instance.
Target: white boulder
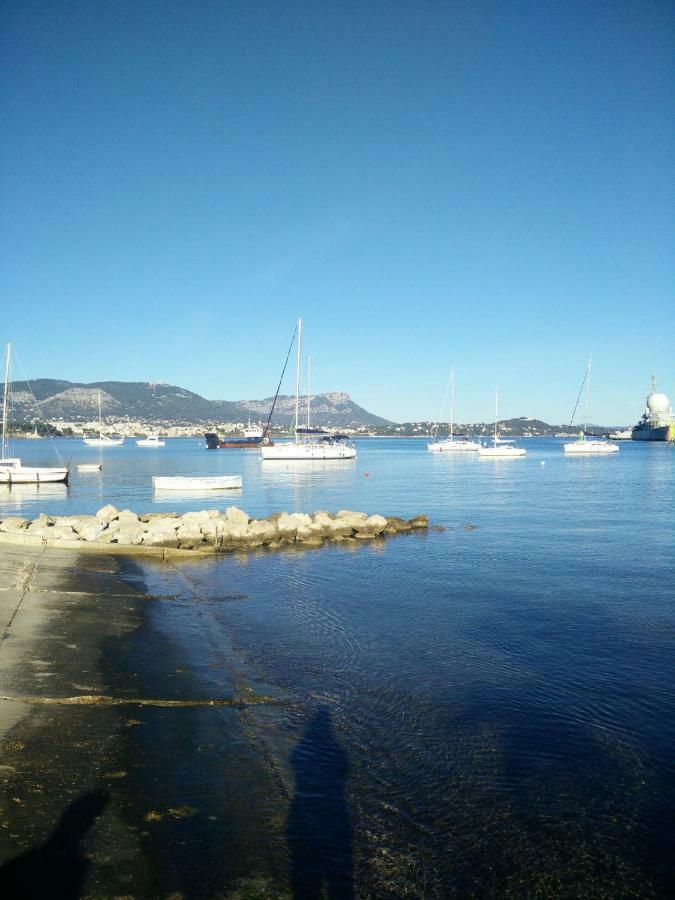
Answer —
(236, 516)
(196, 517)
(91, 532)
(374, 524)
(261, 528)
(127, 516)
(13, 523)
(129, 533)
(107, 513)
(167, 523)
(189, 530)
(62, 532)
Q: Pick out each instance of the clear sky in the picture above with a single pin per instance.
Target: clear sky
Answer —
(484, 183)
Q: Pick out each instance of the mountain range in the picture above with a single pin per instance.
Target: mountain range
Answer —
(154, 402)
(157, 402)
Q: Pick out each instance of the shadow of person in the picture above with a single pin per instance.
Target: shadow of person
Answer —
(318, 829)
(55, 870)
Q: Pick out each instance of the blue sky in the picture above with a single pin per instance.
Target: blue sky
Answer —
(481, 183)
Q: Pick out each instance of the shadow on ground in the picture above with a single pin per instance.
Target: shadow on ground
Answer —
(57, 868)
(318, 829)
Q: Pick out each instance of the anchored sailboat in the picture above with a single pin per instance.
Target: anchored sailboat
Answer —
(12, 470)
(102, 440)
(452, 444)
(582, 446)
(152, 440)
(501, 447)
(310, 443)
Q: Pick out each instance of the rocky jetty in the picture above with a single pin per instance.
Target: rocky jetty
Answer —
(205, 531)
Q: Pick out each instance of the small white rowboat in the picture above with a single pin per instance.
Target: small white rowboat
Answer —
(89, 467)
(196, 483)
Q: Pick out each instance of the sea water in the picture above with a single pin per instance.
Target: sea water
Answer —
(479, 711)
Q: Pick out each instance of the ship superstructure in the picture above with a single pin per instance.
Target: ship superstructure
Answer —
(657, 422)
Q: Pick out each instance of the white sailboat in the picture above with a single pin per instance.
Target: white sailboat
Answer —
(310, 443)
(582, 446)
(453, 444)
(501, 447)
(152, 440)
(102, 440)
(12, 470)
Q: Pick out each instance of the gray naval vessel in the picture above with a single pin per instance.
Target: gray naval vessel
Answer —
(657, 422)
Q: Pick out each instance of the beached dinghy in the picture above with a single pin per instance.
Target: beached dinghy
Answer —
(195, 483)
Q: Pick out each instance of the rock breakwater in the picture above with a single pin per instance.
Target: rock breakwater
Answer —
(204, 531)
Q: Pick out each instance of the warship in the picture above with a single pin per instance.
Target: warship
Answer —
(657, 422)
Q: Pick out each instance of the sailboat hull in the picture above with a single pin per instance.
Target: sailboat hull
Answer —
(453, 447)
(590, 448)
(32, 475)
(316, 451)
(503, 452)
(103, 442)
(213, 442)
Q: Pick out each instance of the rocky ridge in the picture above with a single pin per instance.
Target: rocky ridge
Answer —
(157, 401)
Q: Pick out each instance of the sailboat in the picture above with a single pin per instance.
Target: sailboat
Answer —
(583, 446)
(12, 470)
(102, 440)
(501, 447)
(310, 443)
(452, 444)
(152, 440)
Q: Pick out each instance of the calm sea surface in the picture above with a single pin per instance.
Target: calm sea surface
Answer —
(479, 711)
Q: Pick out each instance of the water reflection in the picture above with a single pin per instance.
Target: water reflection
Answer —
(318, 829)
(161, 495)
(275, 469)
(18, 495)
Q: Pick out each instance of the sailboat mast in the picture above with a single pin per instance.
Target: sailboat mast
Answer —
(309, 389)
(452, 399)
(100, 424)
(588, 385)
(496, 410)
(297, 381)
(4, 401)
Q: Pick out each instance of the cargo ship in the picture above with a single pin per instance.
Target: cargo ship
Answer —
(253, 437)
(657, 422)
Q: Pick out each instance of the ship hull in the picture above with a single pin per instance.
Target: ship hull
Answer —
(213, 442)
(664, 433)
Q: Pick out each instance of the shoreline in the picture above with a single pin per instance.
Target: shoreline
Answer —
(116, 747)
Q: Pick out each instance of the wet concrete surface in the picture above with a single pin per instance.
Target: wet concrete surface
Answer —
(124, 800)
